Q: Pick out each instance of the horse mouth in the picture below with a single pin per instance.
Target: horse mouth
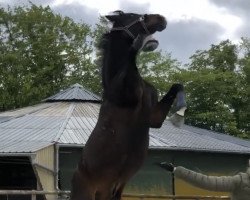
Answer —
(150, 45)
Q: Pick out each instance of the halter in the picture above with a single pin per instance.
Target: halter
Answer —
(126, 28)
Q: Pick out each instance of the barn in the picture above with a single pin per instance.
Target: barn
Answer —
(40, 146)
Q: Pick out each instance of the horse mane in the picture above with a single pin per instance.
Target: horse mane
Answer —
(119, 12)
(105, 37)
(108, 72)
(103, 42)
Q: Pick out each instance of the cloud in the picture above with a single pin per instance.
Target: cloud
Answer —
(26, 2)
(238, 8)
(129, 6)
(241, 7)
(78, 12)
(183, 38)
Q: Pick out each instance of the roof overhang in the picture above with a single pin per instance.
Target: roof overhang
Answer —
(71, 145)
(198, 150)
(18, 154)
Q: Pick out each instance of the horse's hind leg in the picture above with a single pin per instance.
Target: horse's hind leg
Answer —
(109, 191)
(117, 193)
(82, 195)
(103, 195)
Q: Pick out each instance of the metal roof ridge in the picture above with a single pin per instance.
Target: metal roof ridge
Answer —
(62, 128)
(74, 92)
(91, 93)
(60, 92)
(77, 85)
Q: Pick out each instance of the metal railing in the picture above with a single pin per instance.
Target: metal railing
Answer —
(58, 195)
(174, 197)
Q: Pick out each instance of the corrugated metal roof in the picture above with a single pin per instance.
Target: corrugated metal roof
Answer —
(22, 146)
(71, 122)
(74, 93)
(186, 139)
(4, 118)
(219, 136)
(61, 122)
(31, 128)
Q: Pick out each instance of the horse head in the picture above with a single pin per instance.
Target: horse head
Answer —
(138, 28)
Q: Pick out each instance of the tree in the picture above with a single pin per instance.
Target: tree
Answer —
(40, 52)
(216, 88)
(245, 79)
(100, 28)
(221, 57)
(156, 67)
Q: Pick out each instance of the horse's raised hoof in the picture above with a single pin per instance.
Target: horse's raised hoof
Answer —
(177, 119)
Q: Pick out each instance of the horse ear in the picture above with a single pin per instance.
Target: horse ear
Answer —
(112, 18)
(118, 12)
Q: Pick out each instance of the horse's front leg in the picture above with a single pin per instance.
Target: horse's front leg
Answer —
(161, 109)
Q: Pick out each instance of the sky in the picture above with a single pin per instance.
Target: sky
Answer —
(192, 24)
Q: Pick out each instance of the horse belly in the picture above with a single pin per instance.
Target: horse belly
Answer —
(113, 152)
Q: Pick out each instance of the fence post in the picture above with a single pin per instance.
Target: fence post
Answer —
(33, 196)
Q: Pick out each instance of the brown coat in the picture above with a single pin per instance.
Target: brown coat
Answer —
(238, 185)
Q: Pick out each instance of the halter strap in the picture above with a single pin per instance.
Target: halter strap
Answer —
(126, 28)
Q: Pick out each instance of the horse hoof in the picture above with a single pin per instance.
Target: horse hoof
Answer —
(177, 119)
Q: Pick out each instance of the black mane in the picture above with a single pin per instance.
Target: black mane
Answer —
(117, 56)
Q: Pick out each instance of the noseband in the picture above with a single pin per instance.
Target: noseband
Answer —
(126, 28)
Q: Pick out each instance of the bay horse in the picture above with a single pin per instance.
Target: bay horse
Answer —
(118, 144)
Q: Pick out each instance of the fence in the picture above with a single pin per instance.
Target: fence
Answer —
(54, 195)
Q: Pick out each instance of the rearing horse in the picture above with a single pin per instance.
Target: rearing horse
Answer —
(118, 144)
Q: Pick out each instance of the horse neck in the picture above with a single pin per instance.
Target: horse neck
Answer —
(118, 57)
(119, 52)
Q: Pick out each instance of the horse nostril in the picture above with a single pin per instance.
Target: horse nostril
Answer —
(162, 21)
(164, 24)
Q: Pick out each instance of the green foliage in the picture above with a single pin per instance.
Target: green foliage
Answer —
(222, 57)
(99, 30)
(216, 83)
(40, 52)
(156, 68)
(216, 90)
(245, 80)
